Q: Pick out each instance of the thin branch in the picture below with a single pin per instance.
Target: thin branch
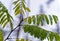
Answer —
(11, 32)
(21, 20)
(11, 38)
(18, 32)
(21, 17)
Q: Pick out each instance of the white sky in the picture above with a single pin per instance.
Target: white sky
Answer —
(53, 8)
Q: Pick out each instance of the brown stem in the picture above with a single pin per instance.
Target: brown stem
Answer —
(14, 29)
(18, 32)
(11, 32)
(21, 20)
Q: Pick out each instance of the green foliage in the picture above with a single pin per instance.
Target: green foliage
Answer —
(51, 19)
(33, 19)
(36, 31)
(57, 37)
(39, 19)
(41, 33)
(47, 20)
(22, 39)
(5, 17)
(20, 7)
(29, 20)
(17, 39)
(1, 36)
(51, 36)
(55, 18)
(54, 36)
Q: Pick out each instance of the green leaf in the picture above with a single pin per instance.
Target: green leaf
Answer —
(33, 19)
(1, 14)
(27, 9)
(51, 19)
(38, 19)
(26, 39)
(17, 39)
(34, 30)
(42, 15)
(11, 24)
(17, 5)
(23, 1)
(2, 22)
(15, 2)
(17, 8)
(41, 20)
(51, 36)
(22, 40)
(5, 23)
(4, 16)
(57, 37)
(23, 5)
(11, 17)
(29, 20)
(41, 33)
(18, 12)
(1, 36)
(55, 18)
(25, 19)
(47, 20)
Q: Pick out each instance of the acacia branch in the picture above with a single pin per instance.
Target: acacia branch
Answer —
(18, 32)
(11, 32)
(21, 20)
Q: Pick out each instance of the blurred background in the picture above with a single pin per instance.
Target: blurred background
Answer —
(49, 7)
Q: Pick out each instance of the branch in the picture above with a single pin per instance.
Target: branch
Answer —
(21, 20)
(18, 32)
(21, 17)
(11, 32)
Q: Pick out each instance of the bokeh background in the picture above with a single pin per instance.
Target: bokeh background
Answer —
(37, 7)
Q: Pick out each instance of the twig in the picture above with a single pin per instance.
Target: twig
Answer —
(15, 28)
(21, 20)
(18, 32)
(11, 32)
(11, 38)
